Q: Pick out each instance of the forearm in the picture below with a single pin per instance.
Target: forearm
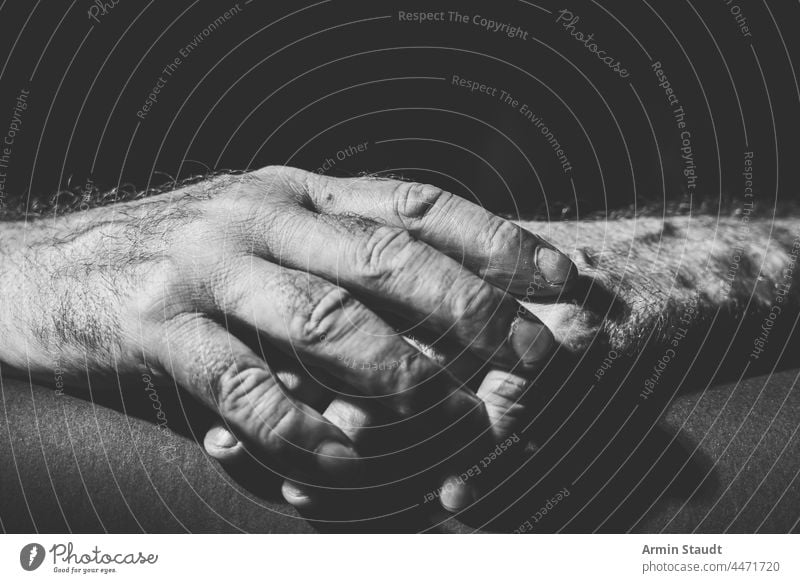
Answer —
(58, 285)
(649, 278)
(20, 283)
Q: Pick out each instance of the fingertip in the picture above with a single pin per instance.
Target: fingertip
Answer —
(554, 267)
(339, 461)
(296, 495)
(221, 444)
(500, 383)
(457, 494)
(504, 393)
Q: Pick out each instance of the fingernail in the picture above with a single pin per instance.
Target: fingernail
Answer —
(457, 495)
(555, 267)
(223, 438)
(338, 460)
(292, 490)
(297, 497)
(531, 340)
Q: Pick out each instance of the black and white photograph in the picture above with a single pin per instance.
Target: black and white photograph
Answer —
(359, 268)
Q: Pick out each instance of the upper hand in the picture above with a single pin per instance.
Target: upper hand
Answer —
(163, 286)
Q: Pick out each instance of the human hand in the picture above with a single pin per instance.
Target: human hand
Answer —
(172, 285)
(635, 298)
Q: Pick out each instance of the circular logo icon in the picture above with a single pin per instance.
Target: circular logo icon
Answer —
(31, 556)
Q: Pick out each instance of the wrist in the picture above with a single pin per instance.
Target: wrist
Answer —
(19, 285)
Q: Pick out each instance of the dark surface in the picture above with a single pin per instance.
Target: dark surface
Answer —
(295, 82)
(726, 459)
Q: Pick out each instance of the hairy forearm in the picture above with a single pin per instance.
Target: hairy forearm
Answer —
(648, 280)
(64, 276)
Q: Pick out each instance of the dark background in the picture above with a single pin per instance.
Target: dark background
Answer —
(295, 83)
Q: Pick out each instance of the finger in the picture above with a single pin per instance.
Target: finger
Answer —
(221, 442)
(457, 494)
(358, 422)
(507, 255)
(411, 278)
(322, 325)
(299, 496)
(225, 374)
(355, 421)
(503, 394)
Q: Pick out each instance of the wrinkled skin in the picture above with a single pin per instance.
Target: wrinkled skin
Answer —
(241, 289)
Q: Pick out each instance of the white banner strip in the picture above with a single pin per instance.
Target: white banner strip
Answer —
(399, 558)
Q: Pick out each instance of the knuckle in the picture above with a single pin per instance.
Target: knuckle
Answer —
(503, 238)
(322, 317)
(282, 183)
(380, 252)
(474, 301)
(284, 173)
(415, 201)
(277, 421)
(251, 396)
(241, 384)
